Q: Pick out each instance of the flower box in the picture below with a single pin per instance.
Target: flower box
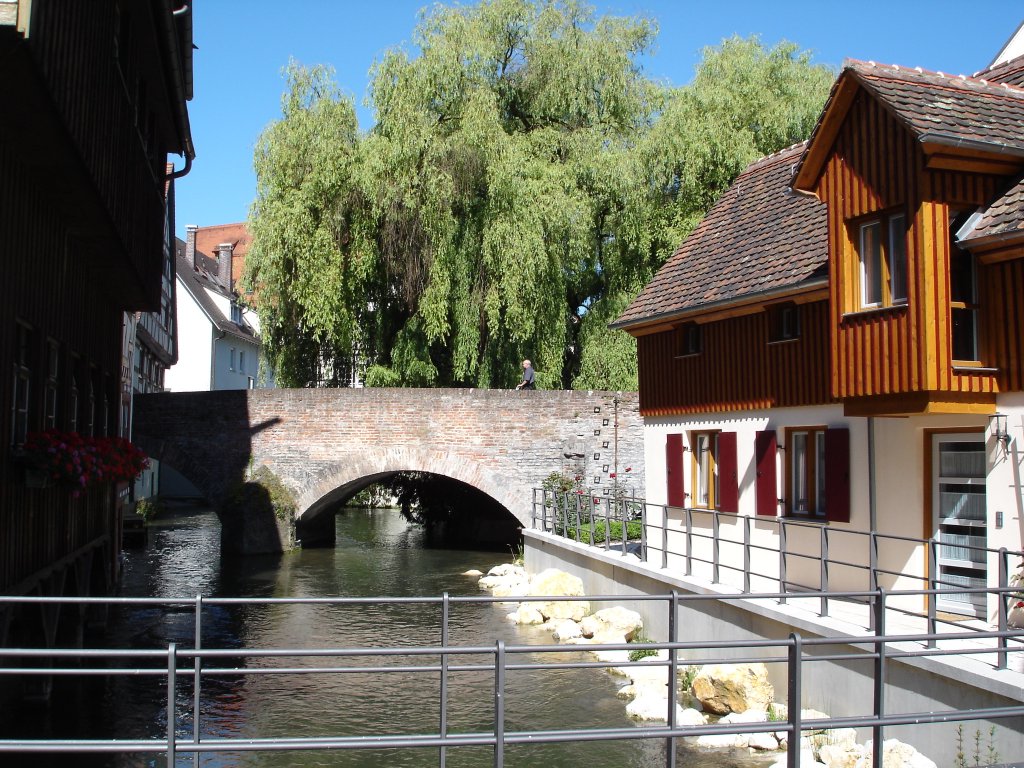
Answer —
(79, 462)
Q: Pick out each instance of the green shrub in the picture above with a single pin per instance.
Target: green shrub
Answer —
(634, 531)
(263, 486)
(149, 508)
(641, 653)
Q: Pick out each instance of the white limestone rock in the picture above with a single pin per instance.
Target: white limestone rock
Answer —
(508, 569)
(650, 706)
(806, 761)
(565, 629)
(895, 754)
(612, 622)
(526, 614)
(841, 755)
(555, 583)
(473, 572)
(725, 688)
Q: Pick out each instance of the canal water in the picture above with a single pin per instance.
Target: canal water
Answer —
(376, 554)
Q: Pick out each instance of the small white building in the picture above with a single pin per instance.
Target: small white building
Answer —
(218, 338)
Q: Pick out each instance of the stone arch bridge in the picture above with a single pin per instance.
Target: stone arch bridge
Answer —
(328, 444)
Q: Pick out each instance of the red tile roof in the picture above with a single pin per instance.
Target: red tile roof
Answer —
(963, 109)
(1003, 219)
(1011, 72)
(760, 237)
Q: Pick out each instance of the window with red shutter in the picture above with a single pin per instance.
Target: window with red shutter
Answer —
(766, 492)
(728, 473)
(674, 470)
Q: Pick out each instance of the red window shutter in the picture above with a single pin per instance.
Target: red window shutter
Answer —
(728, 480)
(837, 475)
(674, 470)
(766, 491)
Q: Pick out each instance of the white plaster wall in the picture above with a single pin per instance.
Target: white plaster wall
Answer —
(226, 377)
(192, 371)
(1004, 488)
(901, 478)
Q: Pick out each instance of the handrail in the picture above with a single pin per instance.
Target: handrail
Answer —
(199, 664)
(547, 505)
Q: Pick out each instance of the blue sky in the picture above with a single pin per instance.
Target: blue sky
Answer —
(243, 46)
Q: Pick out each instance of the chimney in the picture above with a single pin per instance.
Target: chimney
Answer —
(224, 254)
(190, 244)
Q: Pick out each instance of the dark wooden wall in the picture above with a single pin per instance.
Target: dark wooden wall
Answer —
(738, 368)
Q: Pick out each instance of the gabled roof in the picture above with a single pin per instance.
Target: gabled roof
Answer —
(1011, 72)
(953, 112)
(1002, 220)
(202, 277)
(759, 239)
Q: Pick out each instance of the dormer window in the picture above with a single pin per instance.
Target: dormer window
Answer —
(688, 340)
(882, 249)
(236, 313)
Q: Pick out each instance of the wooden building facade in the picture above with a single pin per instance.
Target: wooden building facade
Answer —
(840, 341)
(95, 97)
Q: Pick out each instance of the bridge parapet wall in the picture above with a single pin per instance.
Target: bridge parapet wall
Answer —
(504, 442)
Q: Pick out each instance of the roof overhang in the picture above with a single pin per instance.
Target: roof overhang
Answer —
(813, 290)
(819, 146)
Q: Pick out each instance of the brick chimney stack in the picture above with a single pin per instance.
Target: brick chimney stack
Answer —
(225, 251)
(190, 244)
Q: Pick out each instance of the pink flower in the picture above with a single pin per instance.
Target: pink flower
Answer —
(629, 469)
(612, 475)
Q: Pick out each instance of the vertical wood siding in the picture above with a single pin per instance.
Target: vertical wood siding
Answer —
(737, 369)
(877, 166)
(49, 284)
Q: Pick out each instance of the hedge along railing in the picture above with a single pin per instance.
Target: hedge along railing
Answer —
(559, 513)
(173, 663)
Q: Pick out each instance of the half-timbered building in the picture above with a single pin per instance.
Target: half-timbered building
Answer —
(841, 341)
(94, 98)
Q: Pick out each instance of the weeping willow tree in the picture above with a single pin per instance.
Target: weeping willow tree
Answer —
(523, 180)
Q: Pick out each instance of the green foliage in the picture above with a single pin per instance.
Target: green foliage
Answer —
(263, 488)
(641, 653)
(149, 507)
(991, 754)
(523, 181)
(634, 531)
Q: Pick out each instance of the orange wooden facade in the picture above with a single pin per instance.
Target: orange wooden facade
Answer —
(900, 356)
(738, 368)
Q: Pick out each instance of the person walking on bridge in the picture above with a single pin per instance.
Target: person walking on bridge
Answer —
(527, 382)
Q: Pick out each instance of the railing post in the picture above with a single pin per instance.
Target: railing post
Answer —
(607, 524)
(172, 676)
(782, 561)
(933, 584)
(823, 563)
(689, 541)
(499, 704)
(873, 560)
(1004, 599)
(716, 537)
(664, 536)
(746, 554)
(879, 688)
(533, 510)
(673, 672)
(795, 693)
(643, 531)
(196, 673)
(443, 724)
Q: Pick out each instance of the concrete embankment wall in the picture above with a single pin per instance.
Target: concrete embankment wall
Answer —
(839, 688)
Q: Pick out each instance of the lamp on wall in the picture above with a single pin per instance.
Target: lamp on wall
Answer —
(997, 423)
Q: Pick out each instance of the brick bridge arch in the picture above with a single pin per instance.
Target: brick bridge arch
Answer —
(328, 443)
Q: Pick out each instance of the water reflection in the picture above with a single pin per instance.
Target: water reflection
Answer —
(376, 554)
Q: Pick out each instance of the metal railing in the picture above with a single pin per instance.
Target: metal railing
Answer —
(626, 525)
(174, 664)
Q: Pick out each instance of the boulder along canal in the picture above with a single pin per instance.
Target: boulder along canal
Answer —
(376, 553)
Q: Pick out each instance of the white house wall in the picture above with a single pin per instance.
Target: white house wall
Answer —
(235, 376)
(900, 477)
(195, 347)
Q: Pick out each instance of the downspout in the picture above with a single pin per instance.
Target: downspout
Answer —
(213, 359)
(181, 94)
